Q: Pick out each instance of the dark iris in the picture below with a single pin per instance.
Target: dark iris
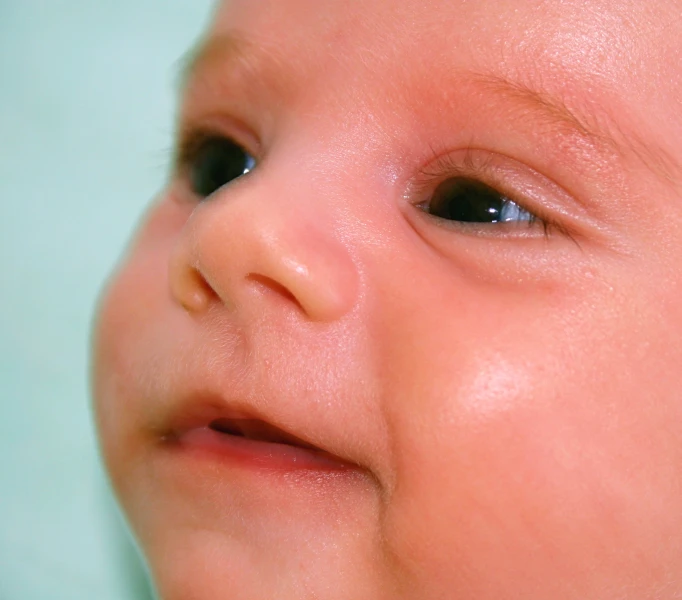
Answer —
(467, 200)
(216, 162)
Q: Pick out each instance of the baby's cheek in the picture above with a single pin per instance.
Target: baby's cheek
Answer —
(547, 478)
(133, 305)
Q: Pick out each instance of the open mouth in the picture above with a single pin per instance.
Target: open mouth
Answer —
(256, 443)
(258, 431)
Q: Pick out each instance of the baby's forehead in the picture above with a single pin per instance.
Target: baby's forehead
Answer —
(599, 31)
(618, 60)
(629, 47)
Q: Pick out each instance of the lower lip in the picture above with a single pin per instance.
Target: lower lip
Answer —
(256, 454)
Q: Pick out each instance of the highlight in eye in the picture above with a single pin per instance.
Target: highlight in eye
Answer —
(211, 161)
(470, 201)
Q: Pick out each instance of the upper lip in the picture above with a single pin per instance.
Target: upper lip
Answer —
(191, 392)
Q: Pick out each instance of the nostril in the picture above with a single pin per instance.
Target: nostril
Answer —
(190, 289)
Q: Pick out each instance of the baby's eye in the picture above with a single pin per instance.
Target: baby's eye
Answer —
(469, 201)
(215, 162)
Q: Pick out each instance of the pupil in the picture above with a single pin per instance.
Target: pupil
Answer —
(466, 200)
(218, 161)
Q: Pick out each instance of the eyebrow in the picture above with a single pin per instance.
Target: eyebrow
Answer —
(232, 55)
(591, 122)
(266, 69)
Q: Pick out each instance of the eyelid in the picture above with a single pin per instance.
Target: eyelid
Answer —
(501, 173)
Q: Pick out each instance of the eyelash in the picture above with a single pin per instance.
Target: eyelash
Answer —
(473, 165)
(192, 141)
(189, 142)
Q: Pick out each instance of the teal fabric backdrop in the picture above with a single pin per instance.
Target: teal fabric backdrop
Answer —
(86, 104)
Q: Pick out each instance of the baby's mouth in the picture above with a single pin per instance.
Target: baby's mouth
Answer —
(258, 431)
(257, 444)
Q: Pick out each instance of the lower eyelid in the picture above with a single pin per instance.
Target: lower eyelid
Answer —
(501, 230)
(484, 171)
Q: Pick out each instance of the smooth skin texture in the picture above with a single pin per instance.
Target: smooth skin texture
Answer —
(508, 395)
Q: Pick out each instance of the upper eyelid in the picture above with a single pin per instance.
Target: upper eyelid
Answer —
(474, 163)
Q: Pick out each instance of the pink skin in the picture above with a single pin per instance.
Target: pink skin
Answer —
(497, 413)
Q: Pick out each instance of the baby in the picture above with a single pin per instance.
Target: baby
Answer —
(406, 322)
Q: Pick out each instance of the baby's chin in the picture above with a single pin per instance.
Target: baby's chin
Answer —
(273, 544)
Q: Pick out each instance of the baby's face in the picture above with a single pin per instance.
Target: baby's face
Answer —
(406, 321)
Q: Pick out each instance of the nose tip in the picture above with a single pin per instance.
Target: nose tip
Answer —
(233, 254)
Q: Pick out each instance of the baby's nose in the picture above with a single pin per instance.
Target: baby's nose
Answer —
(247, 240)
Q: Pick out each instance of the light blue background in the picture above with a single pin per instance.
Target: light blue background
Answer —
(86, 104)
